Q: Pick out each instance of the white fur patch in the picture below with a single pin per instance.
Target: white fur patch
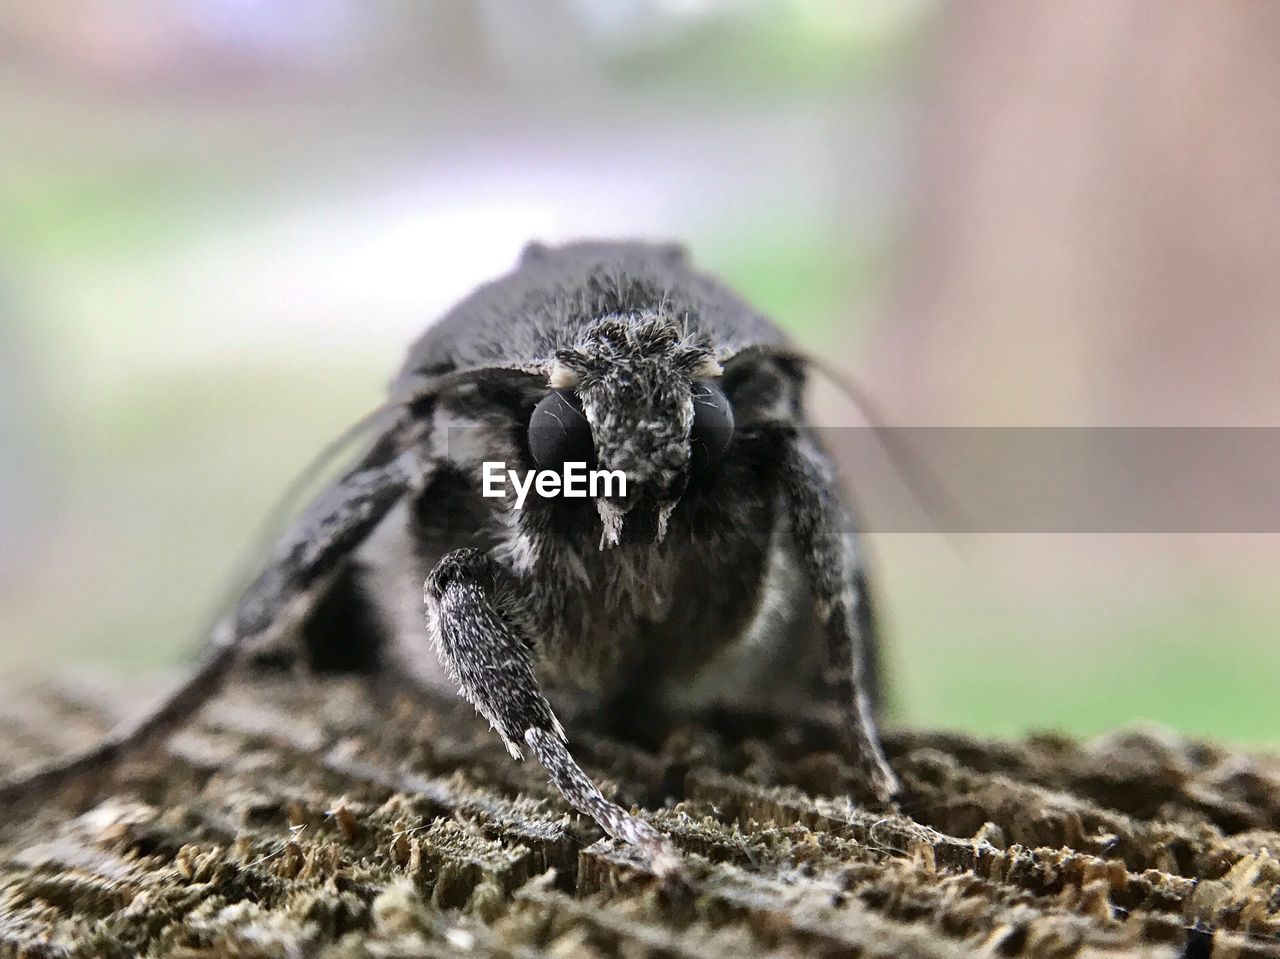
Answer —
(561, 377)
(610, 523)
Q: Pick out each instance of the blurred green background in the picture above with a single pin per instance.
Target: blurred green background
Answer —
(221, 222)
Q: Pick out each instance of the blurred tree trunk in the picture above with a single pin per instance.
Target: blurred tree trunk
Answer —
(1096, 221)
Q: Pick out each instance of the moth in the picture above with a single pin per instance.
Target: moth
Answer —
(730, 572)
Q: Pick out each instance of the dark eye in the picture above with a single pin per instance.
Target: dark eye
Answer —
(559, 432)
(712, 425)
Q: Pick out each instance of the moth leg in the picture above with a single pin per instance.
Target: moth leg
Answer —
(301, 567)
(828, 544)
(474, 619)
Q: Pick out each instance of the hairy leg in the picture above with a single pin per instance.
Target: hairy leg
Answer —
(301, 567)
(473, 616)
(828, 543)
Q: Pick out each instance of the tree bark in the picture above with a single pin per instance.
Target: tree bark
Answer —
(299, 819)
(1096, 219)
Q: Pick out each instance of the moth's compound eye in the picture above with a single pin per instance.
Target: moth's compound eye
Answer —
(559, 432)
(712, 426)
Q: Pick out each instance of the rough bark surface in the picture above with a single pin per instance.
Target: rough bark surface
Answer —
(303, 819)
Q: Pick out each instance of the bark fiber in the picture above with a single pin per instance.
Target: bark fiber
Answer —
(300, 819)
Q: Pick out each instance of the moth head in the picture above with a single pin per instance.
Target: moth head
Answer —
(634, 396)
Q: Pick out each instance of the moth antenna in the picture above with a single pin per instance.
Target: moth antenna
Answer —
(286, 504)
(929, 492)
(414, 388)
